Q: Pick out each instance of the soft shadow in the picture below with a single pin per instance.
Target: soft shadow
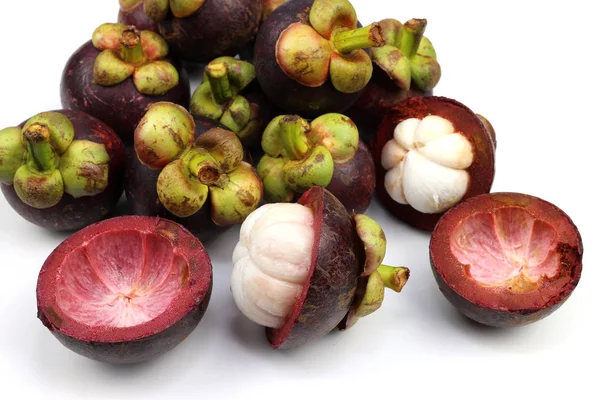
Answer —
(250, 335)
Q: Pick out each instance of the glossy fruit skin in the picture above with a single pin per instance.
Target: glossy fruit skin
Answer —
(121, 106)
(70, 213)
(380, 95)
(142, 196)
(482, 171)
(570, 250)
(289, 95)
(138, 18)
(218, 28)
(353, 182)
(145, 348)
(338, 258)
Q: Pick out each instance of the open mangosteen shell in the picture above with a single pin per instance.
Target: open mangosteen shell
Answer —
(336, 264)
(289, 95)
(70, 213)
(219, 28)
(481, 171)
(498, 306)
(142, 342)
(142, 195)
(121, 106)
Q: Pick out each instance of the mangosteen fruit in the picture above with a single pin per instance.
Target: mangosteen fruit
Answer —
(230, 95)
(431, 153)
(131, 12)
(190, 171)
(125, 290)
(119, 73)
(201, 30)
(310, 59)
(506, 259)
(326, 152)
(304, 269)
(405, 67)
(61, 170)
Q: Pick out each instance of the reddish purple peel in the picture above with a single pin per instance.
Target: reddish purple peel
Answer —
(506, 245)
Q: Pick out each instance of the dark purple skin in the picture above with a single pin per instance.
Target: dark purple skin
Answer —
(218, 28)
(138, 18)
(72, 214)
(140, 188)
(288, 94)
(135, 351)
(335, 272)
(379, 96)
(121, 106)
(353, 182)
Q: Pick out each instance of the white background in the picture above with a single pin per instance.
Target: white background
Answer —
(530, 67)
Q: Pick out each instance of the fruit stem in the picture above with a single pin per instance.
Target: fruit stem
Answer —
(37, 139)
(204, 167)
(293, 137)
(394, 277)
(411, 36)
(219, 82)
(361, 38)
(131, 50)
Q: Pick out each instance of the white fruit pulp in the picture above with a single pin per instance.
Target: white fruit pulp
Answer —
(272, 262)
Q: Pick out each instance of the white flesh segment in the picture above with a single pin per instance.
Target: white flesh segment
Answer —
(431, 128)
(272, 265)
(393, 184)
(404, 133)
(250, 220)
(432, 188)
(392, 154)
(452, 151)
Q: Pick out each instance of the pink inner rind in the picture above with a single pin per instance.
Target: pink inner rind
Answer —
(120, 279)
(508, 244)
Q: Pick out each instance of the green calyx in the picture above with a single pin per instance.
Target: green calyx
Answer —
(158, 10)
(218, 97)
(376, 276)
(43, 161)
(408, 57)
(300, 155)
(330, 47)
(125, 52)
(194, 171)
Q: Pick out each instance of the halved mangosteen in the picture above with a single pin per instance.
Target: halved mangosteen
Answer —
(431, 153)
(125, 290)
(304, 269)
(506, 259)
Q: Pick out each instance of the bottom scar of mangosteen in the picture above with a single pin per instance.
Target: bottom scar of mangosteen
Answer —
(304, 269)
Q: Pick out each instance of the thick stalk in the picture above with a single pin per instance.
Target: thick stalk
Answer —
(132, 51)
(411, 36)
(293, 137)
(37, 139)
(219, 82)
(204, 167)
(394, 277)
(361, 38)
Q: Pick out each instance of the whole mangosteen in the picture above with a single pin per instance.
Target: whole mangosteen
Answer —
(125, 290)
(61, 170)
(201, 30)
(191, 171)
(405, 67)
(230, 95)
(506, 259)
(326, 152)
(119, 73)
(309, 56)
(431, 153)
(304, 269)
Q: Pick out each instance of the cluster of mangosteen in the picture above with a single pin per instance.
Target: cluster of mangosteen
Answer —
(302, 116)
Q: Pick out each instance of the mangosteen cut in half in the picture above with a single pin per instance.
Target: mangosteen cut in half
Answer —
(126, 289)
(506, 259)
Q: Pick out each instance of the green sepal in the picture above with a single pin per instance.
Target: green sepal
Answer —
(237, 115)
(314, 170)
(178, 191)
(110, 70)
(13, 153)
(337, 133)
(61, 129)
(270, 170)
(37, 189)
(156, 78)
(84, 168)
(374, 242)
